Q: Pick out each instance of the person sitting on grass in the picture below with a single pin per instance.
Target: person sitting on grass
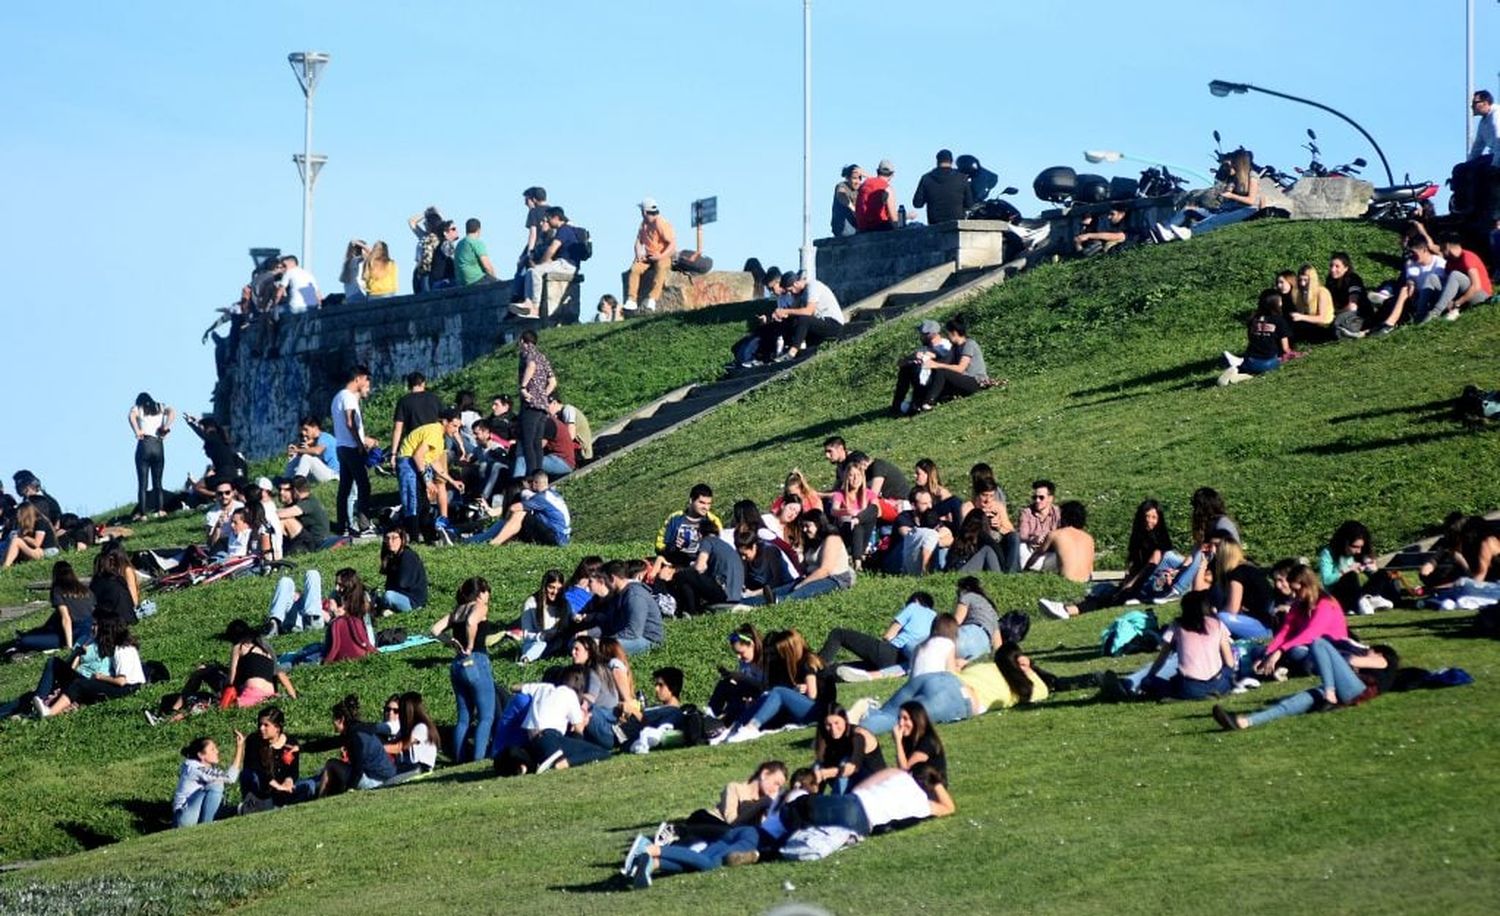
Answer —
(1347, 555)
(115, 642)
(919, 537)
(1270, 342)
(947, 506)
(766, 567)
(987, 516)
(667, 715)
(736, 691)
(1314, 614)
(1070, 543)
(350, 633)
(1196, 659)
(853, 507)
(1239, 589)
(417, 741)
(315, 453)
(1466, 284)
(253, 675)
(917, 741)
(912, 373)
(34, 537)
(538, 516)
(844, 754)
(544, 617)
(716, 576)
(798, 690)
(1312, 307)
(72, 619)
(884, 655)
(610, 693)
(200, 782)
(272, 763)
(557, 721)
(825, 559)
(363, 763)
(677, 541)
(635, 616)
(305, 521)
(962, 373)
(978, 621)
(405, 574)
(1341, 685)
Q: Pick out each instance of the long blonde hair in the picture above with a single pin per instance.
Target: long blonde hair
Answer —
(380, 253)
(1229, 557)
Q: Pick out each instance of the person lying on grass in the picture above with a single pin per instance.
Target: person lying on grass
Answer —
(948, 697)
(1341, 684)
(880, 656)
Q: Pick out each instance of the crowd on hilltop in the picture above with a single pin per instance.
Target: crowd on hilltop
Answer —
(950, 191)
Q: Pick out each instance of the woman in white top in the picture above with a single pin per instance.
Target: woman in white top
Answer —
(939, 651)
(417, 743)
(886, 797)
(542, 616)
(114, 642)
(353, 274)
(150, 422)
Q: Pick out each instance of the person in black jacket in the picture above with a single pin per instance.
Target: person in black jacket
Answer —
(944, 191)
(405, 575)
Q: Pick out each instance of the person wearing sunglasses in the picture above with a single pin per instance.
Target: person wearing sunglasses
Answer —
(1038, 520)
(217, 520)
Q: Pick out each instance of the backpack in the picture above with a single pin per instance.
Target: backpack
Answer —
(698, 727)
(583, 246)
(156, 672)
(1477, 405)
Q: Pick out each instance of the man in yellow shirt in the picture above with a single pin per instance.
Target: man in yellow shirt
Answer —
(655, 247)
(423, 456)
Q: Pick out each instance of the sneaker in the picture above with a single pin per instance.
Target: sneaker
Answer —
(851, 674)
(1234, 361)
(629, 306)
(650, 305)
(1249, 683)
(742, 857)
(40, 706)
(365, 533)
(666, 834)
(550, 762)
(859, 710)
(152, 718)
(748, 364)
(642, 878)
(1432, 314)
(1451, 315)
(637, 849)
(1365, 607)
(746, 732)
(1053, 608)
(1280, 674)
(522, 310)
(1447, 604)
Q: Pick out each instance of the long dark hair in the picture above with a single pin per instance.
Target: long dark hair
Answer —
(147, 404)
(414, 713)
(350, 589)
(921, 727)
(824, 527)
(389, 557)
(586, 569)
(470, 589)
(267, 754)
(560, 606)
(65, 580)
(1347, 534)
(1008, 660)
(969, 585)
(1145, 541)
(1208, 505)
(828, 749)
(1195, 611)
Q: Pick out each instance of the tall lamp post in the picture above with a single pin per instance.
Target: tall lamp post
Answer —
(809, 263)
(308, 66)
(1222, 88)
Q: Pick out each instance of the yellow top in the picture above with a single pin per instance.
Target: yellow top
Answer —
(991, 688)
(430, 435)
(380, 282)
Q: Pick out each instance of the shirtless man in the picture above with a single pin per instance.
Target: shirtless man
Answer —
(1075, 555)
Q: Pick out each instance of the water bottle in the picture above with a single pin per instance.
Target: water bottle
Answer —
(901, 215)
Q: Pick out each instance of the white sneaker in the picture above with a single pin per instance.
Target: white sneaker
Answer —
(1366, 607)
(746, 732)
(851, 674)
(629, 306)
(1234, 361)
(1452, 315)
(41, 707)
(650, 305)
(666, 834)
(637, 849)
(859, 710)
(1052, 608)
(1248, 683)
(1380, 603)
(550, 762)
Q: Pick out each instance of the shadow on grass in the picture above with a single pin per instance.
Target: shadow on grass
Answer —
(612, 883)
(1334, 449)
(86, 836)
(1440, 408)
(1190, 371)
(815, 432)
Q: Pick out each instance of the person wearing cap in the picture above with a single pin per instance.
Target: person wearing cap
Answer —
(845, 196)
(912, 374)
(944, 191)
(655, 247)
(875, 205)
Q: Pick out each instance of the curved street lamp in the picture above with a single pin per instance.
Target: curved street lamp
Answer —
(1222, 88)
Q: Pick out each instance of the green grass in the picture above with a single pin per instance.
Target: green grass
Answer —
(1070, 806)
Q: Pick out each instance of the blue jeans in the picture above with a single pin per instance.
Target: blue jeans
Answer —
(396, 601)
(291, 614)
(39, 641)
(408, 484)
(634, 645)
(474, 690)
(795, 592)
(1135, 682)
(794, 708)
(601, 728)
(575, 750)
(1243, 626)
(201, 807)
(1260, 366)
(1332, 670)
(827, 811)
(940, 693)
(678, 858)
(553, 465)
(973, 641)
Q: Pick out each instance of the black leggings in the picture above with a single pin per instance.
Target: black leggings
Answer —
(948, 384)
(533, 421)
(875, 652)
(906, 380)
(150, 459)
(354, 476)
(1348, 589)
(857, 535)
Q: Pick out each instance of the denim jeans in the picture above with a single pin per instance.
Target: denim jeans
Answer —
(201, 807)
(827, 811)
(1243, 626)
(474, 691)
(1254, 366)
(940, 693)
(634, 645)
(396, 601)
(679, 857)
(601, 728)
(794, 708)
(150, 458)
(292, 614)
(1332, 670)
(553, 465)
(973, 641)
(408, 482)
(794, 592)
(575, 750)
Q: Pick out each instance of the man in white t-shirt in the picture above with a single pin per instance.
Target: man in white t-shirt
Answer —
(216, 521)
(812, 315)
(556, 720)
(299, 291)
(352, 445)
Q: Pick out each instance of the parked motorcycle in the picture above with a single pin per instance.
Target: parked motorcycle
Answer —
(1316, 168)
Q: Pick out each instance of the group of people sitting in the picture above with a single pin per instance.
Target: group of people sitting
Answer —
(1439, 279)
(862, 203)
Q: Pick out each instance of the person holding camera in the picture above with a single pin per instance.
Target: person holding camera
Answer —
(912, 373)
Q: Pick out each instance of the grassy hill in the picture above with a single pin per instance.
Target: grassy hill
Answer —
(1069, 806)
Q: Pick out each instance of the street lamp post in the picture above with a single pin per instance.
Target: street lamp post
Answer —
(308, 66)
(1222, 88)
(809, 263)
(1108, 155)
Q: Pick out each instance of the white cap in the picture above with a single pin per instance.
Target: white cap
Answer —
(648, 205)
(264, 483)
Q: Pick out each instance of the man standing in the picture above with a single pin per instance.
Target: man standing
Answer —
(944, 191)
(351, 445)
(535, 199)
(560, 258)
(298, 289)
(655, 246)
(875, 206)
(471, 259)
(417, 407)
(422, 459)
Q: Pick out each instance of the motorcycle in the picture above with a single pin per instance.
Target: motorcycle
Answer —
(1316, 168)
(1264, 172)
(1024, 238)
(1401, 202)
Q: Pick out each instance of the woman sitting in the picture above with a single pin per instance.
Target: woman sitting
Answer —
(1313, 615)
(272, 763)
(799, 690)
(844, 754)
(33, 539)
(736, 690)
(978, 621)
(1341, 685)
(891, 650)
(379, 272)
(544, 618)
(416, 742)
(1347, 555)
(946, 506)
(611, 695)
(825, 560)
(72, 619)
(350, 634)
(1312, 307)
(853, 508)
(405, 574)
(125, 675)
(253, 674)
(1269, 344)
(1241, 591)
(200, 782)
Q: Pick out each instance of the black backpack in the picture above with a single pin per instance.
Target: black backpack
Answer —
(583, 247)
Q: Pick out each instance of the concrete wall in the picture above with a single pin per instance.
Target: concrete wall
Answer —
(270, 375)
(858, 265)
(685, 292)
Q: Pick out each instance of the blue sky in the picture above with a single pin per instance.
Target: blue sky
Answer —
(148, 144)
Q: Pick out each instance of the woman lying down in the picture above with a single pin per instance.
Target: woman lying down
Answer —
(800, 823)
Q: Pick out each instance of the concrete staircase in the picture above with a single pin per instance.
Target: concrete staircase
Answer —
(908, 299)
